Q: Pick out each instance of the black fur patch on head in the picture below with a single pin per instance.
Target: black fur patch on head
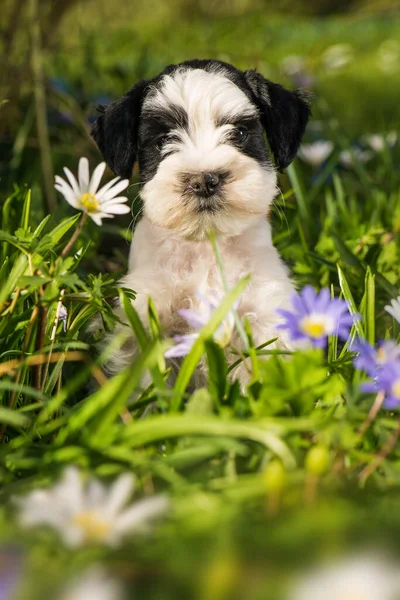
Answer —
(115, 131)
(155, 127)
(284, 116)
(252, 143)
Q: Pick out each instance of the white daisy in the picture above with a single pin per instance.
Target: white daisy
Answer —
(89, 513)
(95, 584)
(357, 578)
(348, 158)
(316, 153)
(337, 56)
(394, 309)
(83, 194)
(378, 142)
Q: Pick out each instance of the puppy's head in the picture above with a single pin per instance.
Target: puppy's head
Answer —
(197, 131)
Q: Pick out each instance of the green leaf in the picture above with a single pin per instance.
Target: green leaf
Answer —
(26, 211)
(13, 418)
(155, 429)
(346, 255)
(10, 285)
(347, 295)
(200, 403)
(143, 338)
(369, 306)
(105, 404)
(41, 226)
(51, 239)
(217, 369)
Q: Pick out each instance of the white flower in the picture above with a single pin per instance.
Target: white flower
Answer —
(388, 56)
(348, 158)
(89, 513)
(337, 56)
(316, 153)
(95, 584)
(378, 142)
(83, 194)
(293, 64)
(359, 577)
(394, 309)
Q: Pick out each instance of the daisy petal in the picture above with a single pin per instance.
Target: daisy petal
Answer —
(60, 181)
(83, 174)
(115, 190)
(119, 494)
(96, 177)
(116, 209)
(106, 187)
(73, 182)
(116, 200)
(95, 494)
(96, 218)
(69, 491)
(138, 515)
(68, 195)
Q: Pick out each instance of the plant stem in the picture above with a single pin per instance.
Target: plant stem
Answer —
(53, 335)
(372, 413)
(40, 107)
(220, 264)
(75, 235)
(386, 450)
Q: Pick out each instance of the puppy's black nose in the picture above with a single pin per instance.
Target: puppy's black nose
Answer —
(205, 185)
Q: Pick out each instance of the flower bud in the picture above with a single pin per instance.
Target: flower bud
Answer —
(317, 460)
(275, 476)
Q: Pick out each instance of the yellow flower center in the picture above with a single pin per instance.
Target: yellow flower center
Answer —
(381, 355)
(396, 388)
(90, 202)
(314, 326)
(93, 526)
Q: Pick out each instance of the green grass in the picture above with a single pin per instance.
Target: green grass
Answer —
(237, 467)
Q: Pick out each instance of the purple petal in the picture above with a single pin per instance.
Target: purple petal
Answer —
(183, 345)
(322, 301)
(308, 295)
(299, 306)
(391, 402)
(194, 319)
(369, 387)
(319, 342)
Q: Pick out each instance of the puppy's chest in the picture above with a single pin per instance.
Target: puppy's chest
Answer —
(189, 275)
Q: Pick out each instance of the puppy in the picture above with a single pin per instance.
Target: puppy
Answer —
(197, 132)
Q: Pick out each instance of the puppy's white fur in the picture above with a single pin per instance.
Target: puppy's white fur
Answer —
(170, 271)
(171, 257)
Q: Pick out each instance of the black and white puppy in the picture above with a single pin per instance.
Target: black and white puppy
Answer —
(197, 132)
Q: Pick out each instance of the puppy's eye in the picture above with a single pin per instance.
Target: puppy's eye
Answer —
(240, 133)
(166, 138)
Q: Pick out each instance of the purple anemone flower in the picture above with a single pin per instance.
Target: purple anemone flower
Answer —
(382, 364)
(388, 381)
(197, 319)
(317, 316)
(372, 360)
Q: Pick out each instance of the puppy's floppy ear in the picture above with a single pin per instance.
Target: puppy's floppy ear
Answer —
(284, 116)
(116, 130)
